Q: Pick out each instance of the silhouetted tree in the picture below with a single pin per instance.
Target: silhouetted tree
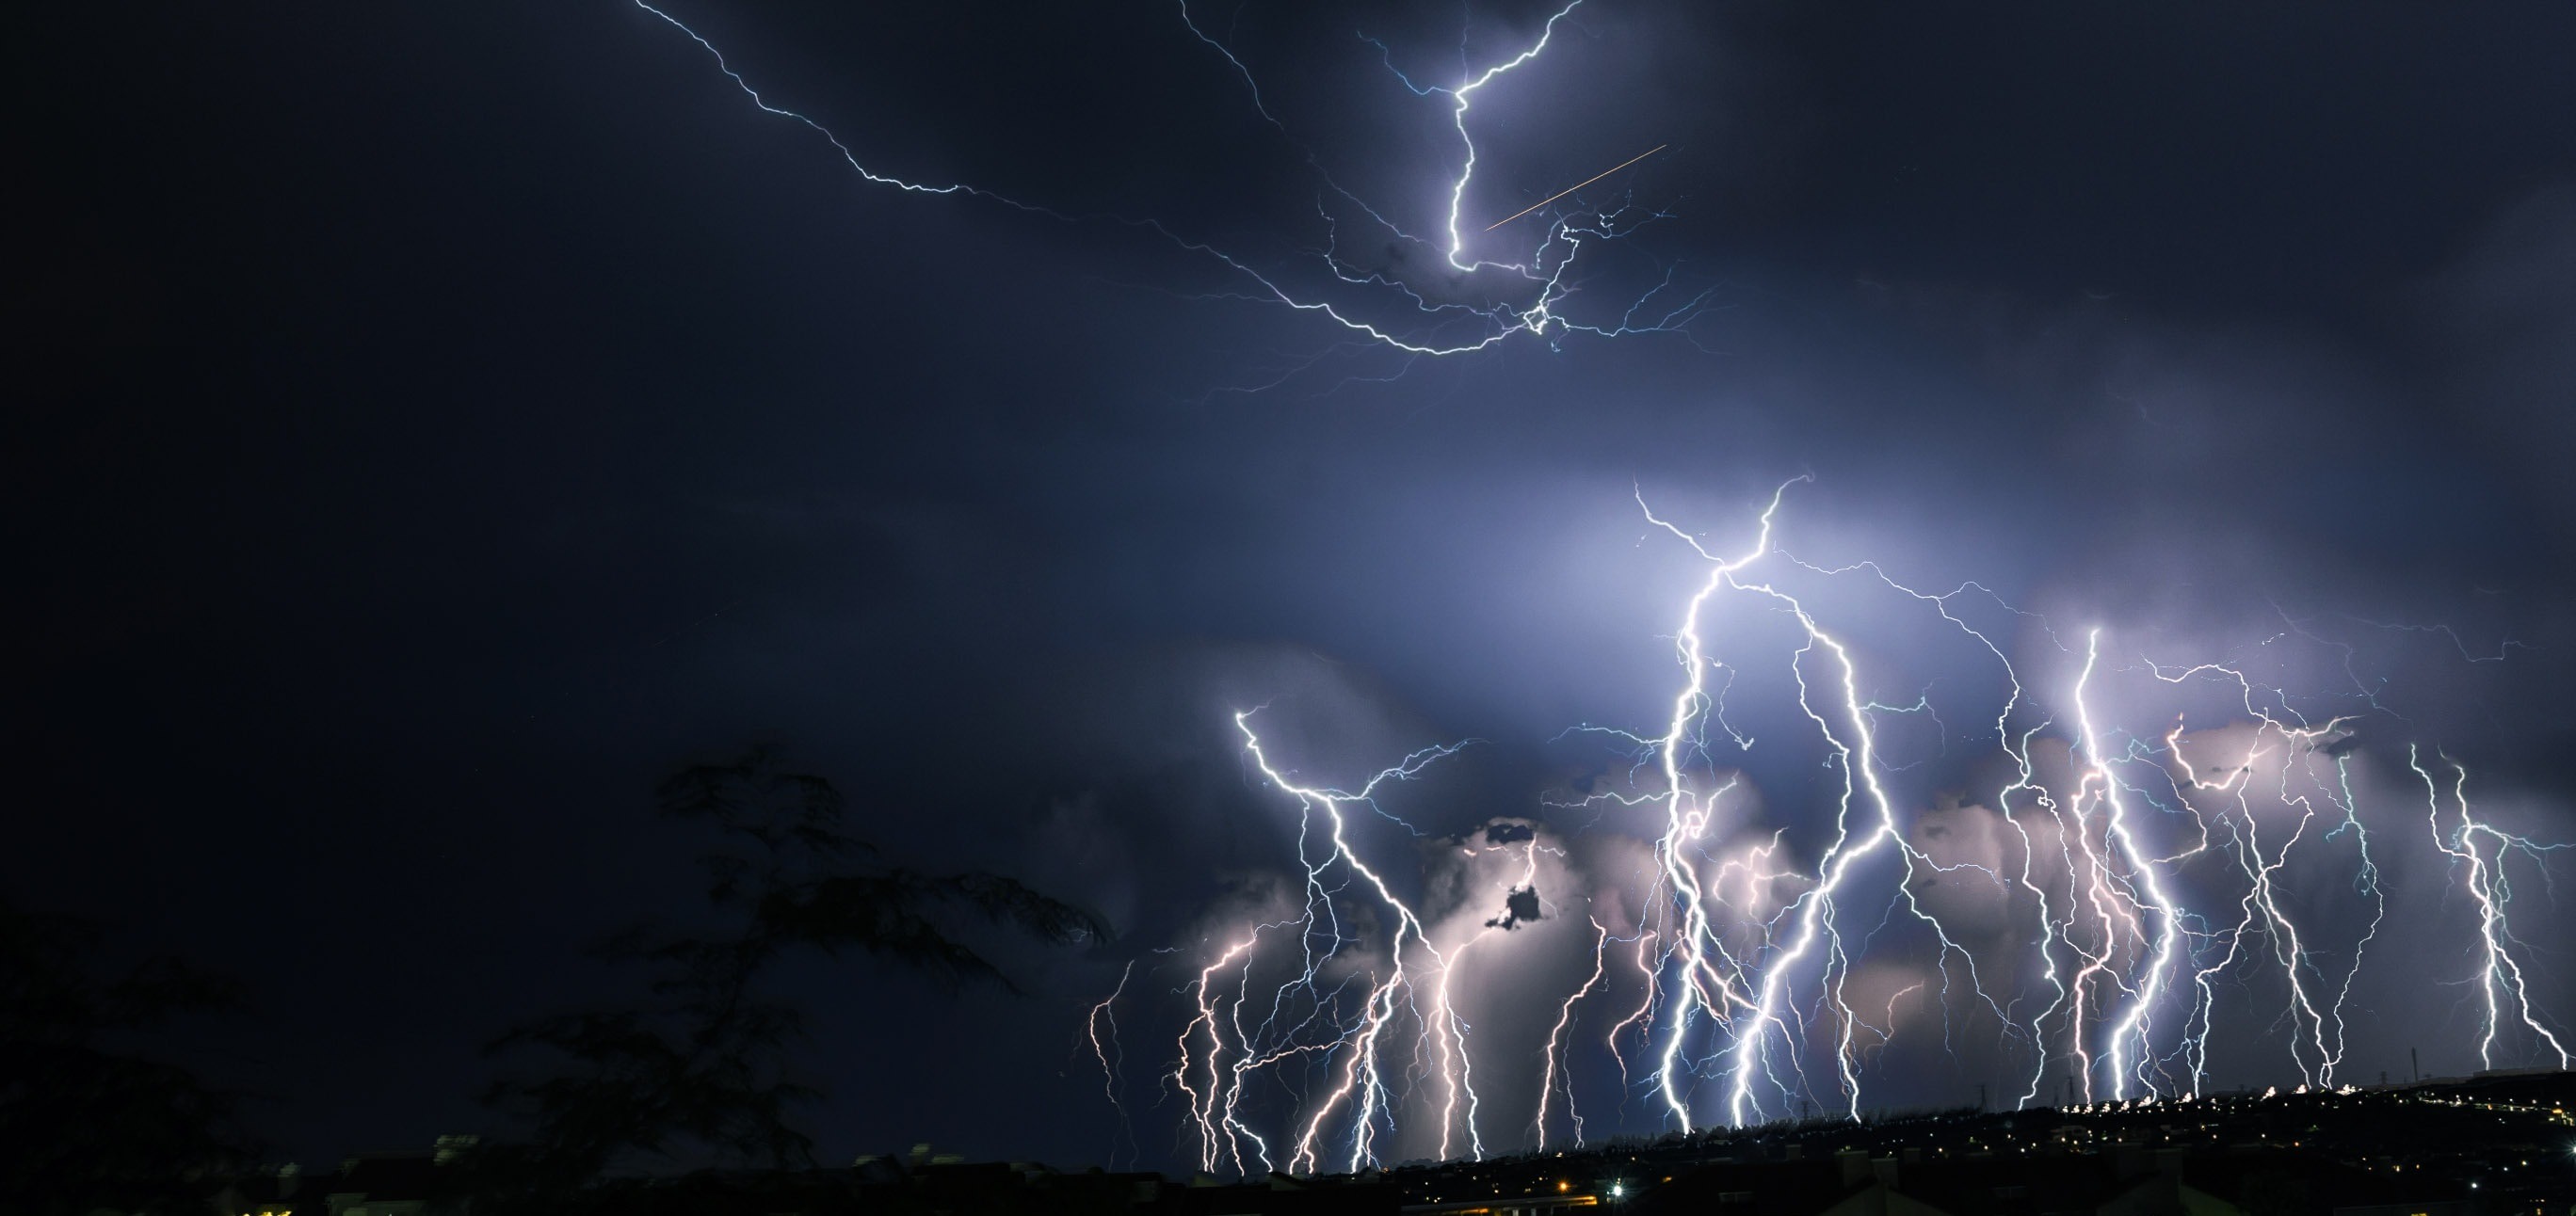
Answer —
(702, 1063)
(84, 1126)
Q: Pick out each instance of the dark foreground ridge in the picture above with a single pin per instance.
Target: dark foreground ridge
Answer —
(2498, 1144)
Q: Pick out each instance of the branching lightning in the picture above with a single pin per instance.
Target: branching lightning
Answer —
(2500, 980)
(1373, 307)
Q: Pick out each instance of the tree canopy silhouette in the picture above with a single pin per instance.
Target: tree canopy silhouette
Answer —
(702, 1061)
(86, 1125)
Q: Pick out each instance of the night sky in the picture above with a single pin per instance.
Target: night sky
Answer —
(436, 422)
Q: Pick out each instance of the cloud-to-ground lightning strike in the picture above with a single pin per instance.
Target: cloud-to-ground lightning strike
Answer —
(1373, 307)
(1556, 1044)
(1104, 1048)
(2144, 876)
(2499, 974)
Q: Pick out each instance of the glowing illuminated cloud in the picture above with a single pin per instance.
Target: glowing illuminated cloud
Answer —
(2098, 909)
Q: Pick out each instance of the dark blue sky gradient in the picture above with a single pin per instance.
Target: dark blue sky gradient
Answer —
(442, 419)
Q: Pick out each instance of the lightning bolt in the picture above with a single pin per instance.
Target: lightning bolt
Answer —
(1463, 96)
(1551, 1055)
(1106, 1051)
(2132, 1027)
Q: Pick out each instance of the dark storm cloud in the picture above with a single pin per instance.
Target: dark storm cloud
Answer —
(453, 417)
(1520, 907)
